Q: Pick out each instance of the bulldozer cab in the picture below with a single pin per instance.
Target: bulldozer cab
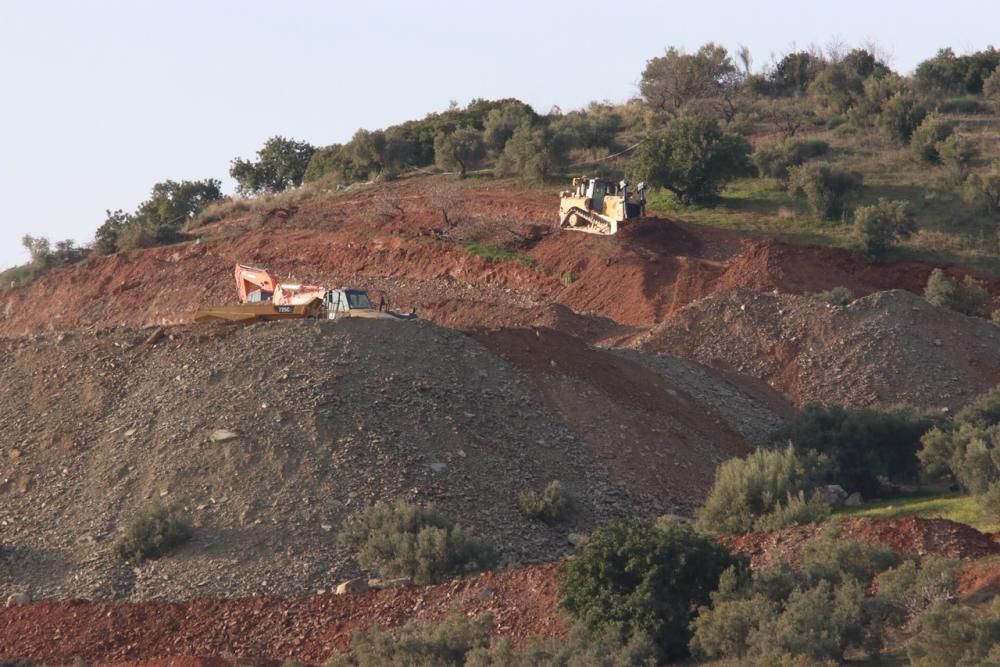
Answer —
(343, 301)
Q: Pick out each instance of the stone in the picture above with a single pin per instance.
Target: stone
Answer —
(223, 435)
(18, 599)
(577, 539)
(832, 494)
(439, 467)
(352, 586)
(854, 499)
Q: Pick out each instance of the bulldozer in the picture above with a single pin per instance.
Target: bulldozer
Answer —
(599, 205)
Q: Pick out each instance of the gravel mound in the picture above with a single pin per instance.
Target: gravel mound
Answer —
(886, 348)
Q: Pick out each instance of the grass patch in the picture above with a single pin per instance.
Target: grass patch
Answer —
(927, 505)
(497, 254)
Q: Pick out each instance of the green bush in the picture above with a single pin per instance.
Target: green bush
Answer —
(968, 446)
(773, 161)
(577, 650)
(910, 588)
(462, 149)
(778, 615)
(748, 493)
(153, 532)
(990, 500)
(642, 577)
(838, 296)
(900, 116)
(281, 164)
(983, 190)
(879, 226)
(532, 153)
(954, 635)
(405, 540)
(825, 188)
(553, 505)
(924, 142)
(957, 153)
(968, 104)
(861, 444)
(692, 157)
(969, 298)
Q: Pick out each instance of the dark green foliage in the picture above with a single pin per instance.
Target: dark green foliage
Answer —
(462, 149)
(991, 86)
(840, 86)
(533, 152)
(405, 540)
(773, 161)
(880, 225)
(838, 296)
(983, 190)
(926, 138)
(954, 635)
(957, 153)
(332, 162)
(861, 444)
(641, 577)
(777, 614)
(963, 105)
(43, 259)
(991, 499)
(967, 446)
(672, 80)
(756, 491)
(462, 641)
(553, 505)
(153, 532)
(281, 164)
(900, 116)
(593, 129)
(947, 74)
(159, 219)
(793, 73)
(969, 298)
(692, 157)
(825, 187)
(443, 644)
(500, 123)
(910, 588)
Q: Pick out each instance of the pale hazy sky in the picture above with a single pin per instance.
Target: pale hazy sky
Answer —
(102, 99)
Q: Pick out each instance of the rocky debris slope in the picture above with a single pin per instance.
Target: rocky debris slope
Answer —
(310, 629)
(886, 348)
(910, 536)
(323, 418)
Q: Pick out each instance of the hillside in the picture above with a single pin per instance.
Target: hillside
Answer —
(329, 418)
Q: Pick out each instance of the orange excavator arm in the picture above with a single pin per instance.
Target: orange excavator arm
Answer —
(254, 284)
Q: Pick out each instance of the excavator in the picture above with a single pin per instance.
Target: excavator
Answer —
(600, 206)
(262, 297)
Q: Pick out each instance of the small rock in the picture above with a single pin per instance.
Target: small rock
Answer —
(854, 499)
(352, 586)
(129, 433)
(438, 467)
(938, 342)
(486, 593)
(14, 454)
(577, 539)
(223, 435)
(18, 599)
(326, 527)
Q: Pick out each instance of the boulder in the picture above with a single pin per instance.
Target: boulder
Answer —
(352, 586)
(18, 599)
(832, 494)
(854, 499)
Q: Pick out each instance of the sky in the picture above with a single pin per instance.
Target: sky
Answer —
(99, 100)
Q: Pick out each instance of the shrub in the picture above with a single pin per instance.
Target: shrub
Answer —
(794, 511)
(983, 190)
(954, 635)
(692, 157)
(924, 142)
(532, 153)
(968, 446)
(957, 153)
(553, 505)
(462, 149)
(577, 650)
(838, 296)
(777, 615)
(861, 444)
(642, 577)
(153, 532)
(969, 298)
(774, 161)
(445, 643)
(900, 116)
(990, 500)
(968, 105)
(879, 226)
(281, 164)
(746, 491)
(910, 588)
(825, 188)
(404, 540)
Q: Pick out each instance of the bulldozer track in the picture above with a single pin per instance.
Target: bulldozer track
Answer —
(595, 224)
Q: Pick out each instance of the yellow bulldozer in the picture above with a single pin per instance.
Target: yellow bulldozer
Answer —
(600, 206)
